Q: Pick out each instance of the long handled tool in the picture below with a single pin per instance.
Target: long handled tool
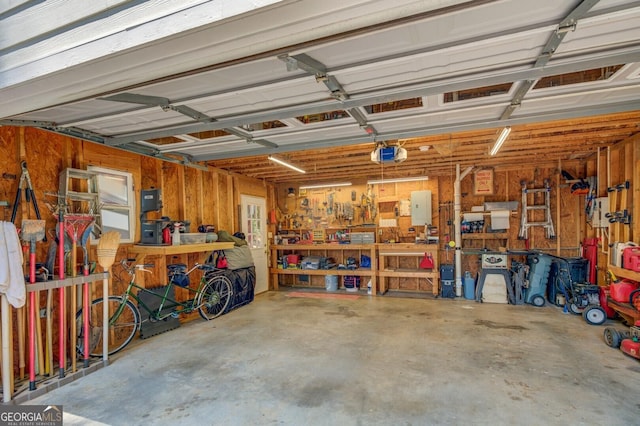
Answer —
(28, 193)
(49, 334)
(21, 334)
(86, 302)
(32, 231)
(61, 302)
(107, 250)
(75, 225)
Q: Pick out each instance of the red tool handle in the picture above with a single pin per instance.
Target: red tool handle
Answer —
(32, 319)
(61, 302)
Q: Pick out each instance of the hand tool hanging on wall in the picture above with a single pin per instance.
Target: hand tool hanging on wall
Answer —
(28, 194)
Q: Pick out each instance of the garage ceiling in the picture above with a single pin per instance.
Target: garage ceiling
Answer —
(440, 78)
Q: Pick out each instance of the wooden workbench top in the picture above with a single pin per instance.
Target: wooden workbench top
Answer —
(179, 249)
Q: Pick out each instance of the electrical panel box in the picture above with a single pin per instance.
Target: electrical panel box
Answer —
(600, 209)
(420, 208)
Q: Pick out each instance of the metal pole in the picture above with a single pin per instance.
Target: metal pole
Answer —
(457, 209)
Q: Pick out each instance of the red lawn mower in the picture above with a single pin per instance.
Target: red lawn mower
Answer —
(627, 341)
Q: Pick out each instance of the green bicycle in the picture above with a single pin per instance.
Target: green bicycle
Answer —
(210, 298)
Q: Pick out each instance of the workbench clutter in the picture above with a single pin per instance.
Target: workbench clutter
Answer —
(490, 217)
(318, 207)
(167, 231)
(539, 279)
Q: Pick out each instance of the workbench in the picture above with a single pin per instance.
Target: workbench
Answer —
(401, 261)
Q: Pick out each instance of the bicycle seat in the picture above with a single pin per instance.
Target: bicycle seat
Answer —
(207, 267)
(177, 267)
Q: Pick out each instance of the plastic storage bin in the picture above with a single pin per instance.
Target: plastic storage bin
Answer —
(193, 238)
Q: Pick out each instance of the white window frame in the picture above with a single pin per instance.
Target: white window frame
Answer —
(129, 209)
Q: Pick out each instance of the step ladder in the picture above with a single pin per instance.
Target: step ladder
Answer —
(78, 201)
(525, 224)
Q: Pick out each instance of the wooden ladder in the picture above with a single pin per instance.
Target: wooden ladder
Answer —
(72, 186)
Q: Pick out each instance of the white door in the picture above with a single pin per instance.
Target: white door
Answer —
(254, 226)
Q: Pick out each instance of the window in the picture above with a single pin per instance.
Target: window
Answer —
(586, 76)
(117, 203)
(394, 106)
(478, 92)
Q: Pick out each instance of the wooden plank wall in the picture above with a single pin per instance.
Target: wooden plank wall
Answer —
(200, 196)
(614, 166)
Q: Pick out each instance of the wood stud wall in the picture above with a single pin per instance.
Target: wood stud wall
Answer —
(203, 197)
(211, 197)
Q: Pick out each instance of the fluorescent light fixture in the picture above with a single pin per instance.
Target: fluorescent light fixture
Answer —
(406, 179)
(325, 185)
(284, 163)
(503, 137)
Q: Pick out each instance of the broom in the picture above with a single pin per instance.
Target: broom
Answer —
(106, 251)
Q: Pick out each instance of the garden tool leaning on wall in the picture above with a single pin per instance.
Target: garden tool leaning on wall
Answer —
(28, 193)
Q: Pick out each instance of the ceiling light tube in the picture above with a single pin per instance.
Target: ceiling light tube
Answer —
(503, 137)
(406, 179)
(325, 185)
(284, 163)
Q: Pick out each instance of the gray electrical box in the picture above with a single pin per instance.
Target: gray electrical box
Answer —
(600, 209)
(420, 208)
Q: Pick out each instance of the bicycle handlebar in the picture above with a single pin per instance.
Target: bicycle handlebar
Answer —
(130, 268)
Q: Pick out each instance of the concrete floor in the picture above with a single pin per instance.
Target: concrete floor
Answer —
(371, 361)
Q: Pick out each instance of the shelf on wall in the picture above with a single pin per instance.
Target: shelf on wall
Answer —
(485, 236)
(625, 273)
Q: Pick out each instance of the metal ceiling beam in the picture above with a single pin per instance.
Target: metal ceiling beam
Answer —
(567, 24)
(317, 69)
(292, 64)
(166, 105)
(311, 66)
(435, 130)
(427, 88)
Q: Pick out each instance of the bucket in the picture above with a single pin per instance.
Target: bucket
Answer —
(331, 282)
(293, 259)
(469, 284)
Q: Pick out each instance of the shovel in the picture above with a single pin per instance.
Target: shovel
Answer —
(31, 232)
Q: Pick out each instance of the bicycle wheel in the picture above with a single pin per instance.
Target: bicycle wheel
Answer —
(214, 297)
(121, 330)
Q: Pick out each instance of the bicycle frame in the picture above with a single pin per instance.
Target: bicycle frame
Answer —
(210, 298)
(185, 307)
